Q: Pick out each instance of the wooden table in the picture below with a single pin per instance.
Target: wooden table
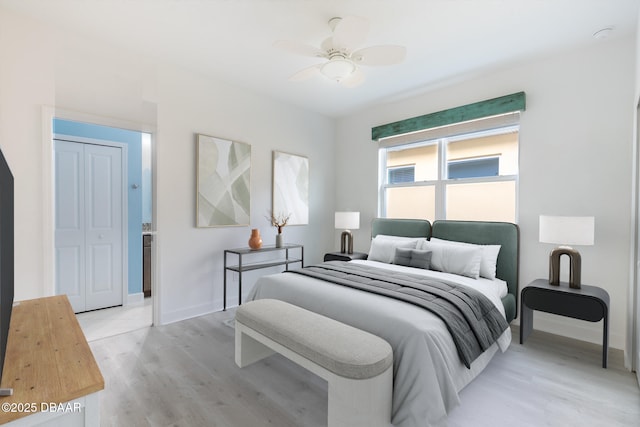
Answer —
(50, 367)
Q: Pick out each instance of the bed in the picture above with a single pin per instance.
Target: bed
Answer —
(428, 370)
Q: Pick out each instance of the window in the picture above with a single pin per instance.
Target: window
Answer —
(401, 174)
(473, 168)
(465, 177)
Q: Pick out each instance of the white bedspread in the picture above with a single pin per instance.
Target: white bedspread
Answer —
(428, 373)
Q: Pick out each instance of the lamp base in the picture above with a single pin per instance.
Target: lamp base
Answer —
(346, 242)
(575, 264)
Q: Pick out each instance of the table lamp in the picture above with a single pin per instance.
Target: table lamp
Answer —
(565, 231)
(347, 221)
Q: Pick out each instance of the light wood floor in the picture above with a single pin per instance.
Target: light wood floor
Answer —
(107, 322)
(183, 374)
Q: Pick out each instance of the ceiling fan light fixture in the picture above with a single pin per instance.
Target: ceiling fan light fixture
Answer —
(338, 69)
(342, 56)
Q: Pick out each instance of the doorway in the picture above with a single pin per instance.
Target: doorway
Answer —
(137, 191)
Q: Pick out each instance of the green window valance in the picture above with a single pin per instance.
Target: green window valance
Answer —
(477, 110)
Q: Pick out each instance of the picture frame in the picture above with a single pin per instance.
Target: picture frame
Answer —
(291, 187)
(223, 194)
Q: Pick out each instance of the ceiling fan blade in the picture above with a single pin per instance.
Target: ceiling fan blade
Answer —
(355, 79)
(305, 73)
(350, 32)
(379, 55)
(299, 48)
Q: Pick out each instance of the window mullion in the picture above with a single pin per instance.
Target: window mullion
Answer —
(441, 191)
(382, 183)
(483, 179)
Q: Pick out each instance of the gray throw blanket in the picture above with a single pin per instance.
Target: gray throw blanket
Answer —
(471, 318)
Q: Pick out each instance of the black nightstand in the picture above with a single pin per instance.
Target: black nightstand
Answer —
(340, 256)
(587, 303)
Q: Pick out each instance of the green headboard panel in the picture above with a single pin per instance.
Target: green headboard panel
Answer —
(401, 227)
(490, 233)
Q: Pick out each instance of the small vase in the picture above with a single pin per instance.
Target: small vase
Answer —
(278, 240)
(255, 241)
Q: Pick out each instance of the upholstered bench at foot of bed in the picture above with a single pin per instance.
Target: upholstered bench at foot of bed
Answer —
(357, 365)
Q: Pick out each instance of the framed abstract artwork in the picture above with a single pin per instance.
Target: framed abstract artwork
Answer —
(223, 182)
(291, 187)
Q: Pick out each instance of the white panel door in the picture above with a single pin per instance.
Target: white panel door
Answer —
(103, 225)
(89, 224)
(69, 223)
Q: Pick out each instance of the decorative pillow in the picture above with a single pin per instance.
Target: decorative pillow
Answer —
(489, 256)
(461, 260)
(383, 247)
(412, 258)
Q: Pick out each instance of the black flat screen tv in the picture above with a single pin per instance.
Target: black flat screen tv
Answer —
(6, 259)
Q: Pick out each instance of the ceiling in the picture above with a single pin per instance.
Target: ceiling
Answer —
(233, 39)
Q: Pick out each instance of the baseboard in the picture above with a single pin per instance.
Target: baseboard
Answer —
(187, 313)
(135, 299)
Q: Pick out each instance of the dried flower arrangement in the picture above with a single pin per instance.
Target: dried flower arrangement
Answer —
(279, 221)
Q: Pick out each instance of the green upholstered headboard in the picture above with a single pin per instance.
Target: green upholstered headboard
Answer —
(401, 227)
(505, 234)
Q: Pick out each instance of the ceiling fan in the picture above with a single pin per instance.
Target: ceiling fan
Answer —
(342, 62)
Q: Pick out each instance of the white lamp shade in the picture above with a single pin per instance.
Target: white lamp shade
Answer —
(567, 230)
(347, 220)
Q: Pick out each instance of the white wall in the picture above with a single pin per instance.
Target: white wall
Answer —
(43, 66)
(192, 259)
(633, 322)
(27, 60)
(575, 159)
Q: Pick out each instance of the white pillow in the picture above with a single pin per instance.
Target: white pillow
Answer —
(489, 256)
(460, 260)
(383, 248)
(399, 238)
